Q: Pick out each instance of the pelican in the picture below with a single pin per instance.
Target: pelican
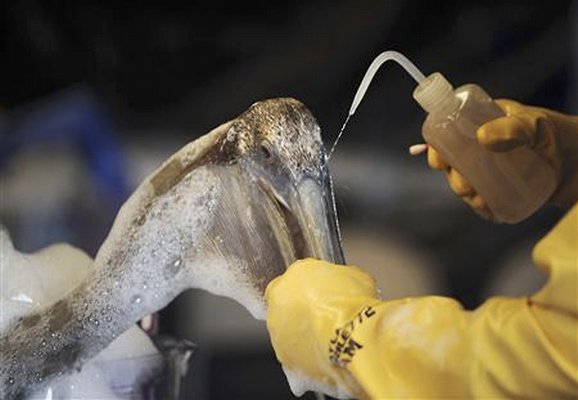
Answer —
(227, 213)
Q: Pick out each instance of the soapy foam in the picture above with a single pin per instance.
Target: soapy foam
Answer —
(188, 260)
(168, 242)
(89, 384)
(33, 281)
(213, 272)
(300, 384)
(228, 279)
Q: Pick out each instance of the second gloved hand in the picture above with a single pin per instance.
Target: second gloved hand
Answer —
(307, 308)
(330, 329)
(552, 135)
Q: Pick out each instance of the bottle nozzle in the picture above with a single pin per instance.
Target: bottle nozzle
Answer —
(399, 58)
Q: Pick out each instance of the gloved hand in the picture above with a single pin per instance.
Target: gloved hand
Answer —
(306, 305)
(328, 325)
(554, 136)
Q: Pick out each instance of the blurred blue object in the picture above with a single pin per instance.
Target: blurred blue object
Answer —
(75, 117)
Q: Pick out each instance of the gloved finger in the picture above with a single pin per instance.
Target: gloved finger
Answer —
(435, 160)
(478, 204)
(459, 185)
(522, 125)
(314, 278)
(495, 137)
(542, 138)
(531, 128)
(505, 133)
(510, 107)
(540, 129)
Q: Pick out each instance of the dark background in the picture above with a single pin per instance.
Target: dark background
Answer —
(145, 73)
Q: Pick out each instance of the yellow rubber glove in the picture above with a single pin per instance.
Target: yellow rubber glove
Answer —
(552, 135)
(327, 324)
(305, 307)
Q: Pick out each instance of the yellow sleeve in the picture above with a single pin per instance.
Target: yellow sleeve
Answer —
(509, 347)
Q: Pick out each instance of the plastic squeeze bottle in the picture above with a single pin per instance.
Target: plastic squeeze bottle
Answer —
(514, 184)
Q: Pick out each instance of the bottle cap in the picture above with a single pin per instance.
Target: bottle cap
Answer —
(433, 91)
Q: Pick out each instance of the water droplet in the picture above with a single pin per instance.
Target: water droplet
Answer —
(177, 264)
(43, 343)
(108, 318)
(11, 381)
(145, 286)
(95, 321)
(136, 299)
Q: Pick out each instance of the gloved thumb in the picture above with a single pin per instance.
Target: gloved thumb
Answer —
(520, 126)
(504, 134)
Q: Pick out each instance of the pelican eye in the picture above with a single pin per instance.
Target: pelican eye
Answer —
(267, 155)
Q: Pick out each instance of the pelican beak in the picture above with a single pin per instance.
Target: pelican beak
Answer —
(306, 217)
